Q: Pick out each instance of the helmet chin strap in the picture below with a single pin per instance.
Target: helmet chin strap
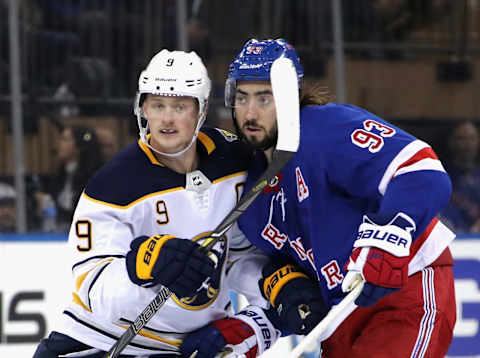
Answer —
(143, 136)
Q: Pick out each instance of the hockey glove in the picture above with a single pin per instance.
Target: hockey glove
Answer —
(248, 334)
(381, 255)
(296, 298)
(175, 263)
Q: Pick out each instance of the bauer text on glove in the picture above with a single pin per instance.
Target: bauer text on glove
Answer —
(381, 254)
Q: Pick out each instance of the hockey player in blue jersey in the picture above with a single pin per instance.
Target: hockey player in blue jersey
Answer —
(359, 197)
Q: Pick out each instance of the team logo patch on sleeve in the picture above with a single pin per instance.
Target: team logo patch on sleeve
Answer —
(302, 188)
(229, 136)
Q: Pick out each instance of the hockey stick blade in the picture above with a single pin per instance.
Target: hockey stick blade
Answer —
(285, 93)
(333, 315)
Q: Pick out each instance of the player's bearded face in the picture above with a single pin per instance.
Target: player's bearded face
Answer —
(261, 142)
(255, 114)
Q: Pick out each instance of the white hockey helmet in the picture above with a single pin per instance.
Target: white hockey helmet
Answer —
(173, 73)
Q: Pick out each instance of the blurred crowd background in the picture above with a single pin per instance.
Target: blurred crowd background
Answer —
(412, 62)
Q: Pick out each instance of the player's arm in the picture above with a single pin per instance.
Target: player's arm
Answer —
(98, 252)
(418, 189)
(370, 159)
(403, 183)
(169, 261)
(115, 272)
(117, 286)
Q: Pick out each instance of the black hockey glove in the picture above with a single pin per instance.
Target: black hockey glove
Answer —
(296, 297)
(175, 263)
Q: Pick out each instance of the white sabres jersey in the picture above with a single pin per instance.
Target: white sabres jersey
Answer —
(132, 196)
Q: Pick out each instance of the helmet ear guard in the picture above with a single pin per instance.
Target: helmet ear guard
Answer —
(230, 88)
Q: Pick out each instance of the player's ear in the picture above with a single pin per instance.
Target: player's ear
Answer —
(143, 108)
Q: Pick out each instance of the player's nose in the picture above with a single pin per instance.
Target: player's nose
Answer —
(252, 111)
(168, 115)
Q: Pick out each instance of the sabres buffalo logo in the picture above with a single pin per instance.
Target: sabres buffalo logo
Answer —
(210, 288)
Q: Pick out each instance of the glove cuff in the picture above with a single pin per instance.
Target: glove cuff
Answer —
(394, 237)
(265, 333)
(274, 283)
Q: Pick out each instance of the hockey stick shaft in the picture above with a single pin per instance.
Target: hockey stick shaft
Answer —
(285, 92)
(333, 315)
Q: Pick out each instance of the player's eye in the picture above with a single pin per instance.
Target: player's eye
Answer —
(240, 99)
(264, 100)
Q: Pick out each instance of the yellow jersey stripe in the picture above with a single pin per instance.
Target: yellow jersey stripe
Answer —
(77, 300)
(207, 142)
(82, 277)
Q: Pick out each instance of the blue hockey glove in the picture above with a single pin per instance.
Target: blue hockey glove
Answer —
(381, 255)
(249, 333)
(297, 298)
(172, 262)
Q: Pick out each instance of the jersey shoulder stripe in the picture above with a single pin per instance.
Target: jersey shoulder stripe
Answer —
(415, 156)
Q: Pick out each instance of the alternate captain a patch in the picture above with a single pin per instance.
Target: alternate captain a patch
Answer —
(302, 188)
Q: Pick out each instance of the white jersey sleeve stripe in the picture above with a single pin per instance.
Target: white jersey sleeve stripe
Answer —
(425, 164)
(405, 154)
(436, 242)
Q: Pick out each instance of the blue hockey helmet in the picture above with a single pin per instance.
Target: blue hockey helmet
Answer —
(254, 61)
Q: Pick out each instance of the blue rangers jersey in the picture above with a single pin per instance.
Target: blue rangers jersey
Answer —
(135, 195)
(350, 163)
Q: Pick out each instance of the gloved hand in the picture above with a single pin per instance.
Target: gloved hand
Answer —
(172, 262)
(381, 255)
(246, 334)
(296, 298)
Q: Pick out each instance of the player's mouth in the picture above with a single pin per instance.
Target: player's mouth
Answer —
(167, 131)
(251, 129)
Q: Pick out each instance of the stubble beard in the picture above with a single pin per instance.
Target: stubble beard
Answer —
(267, 142)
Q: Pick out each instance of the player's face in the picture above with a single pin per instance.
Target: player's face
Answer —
(172, 121)
(255, 113)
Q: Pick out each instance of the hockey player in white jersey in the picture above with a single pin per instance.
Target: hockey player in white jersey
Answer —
(139, 223)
